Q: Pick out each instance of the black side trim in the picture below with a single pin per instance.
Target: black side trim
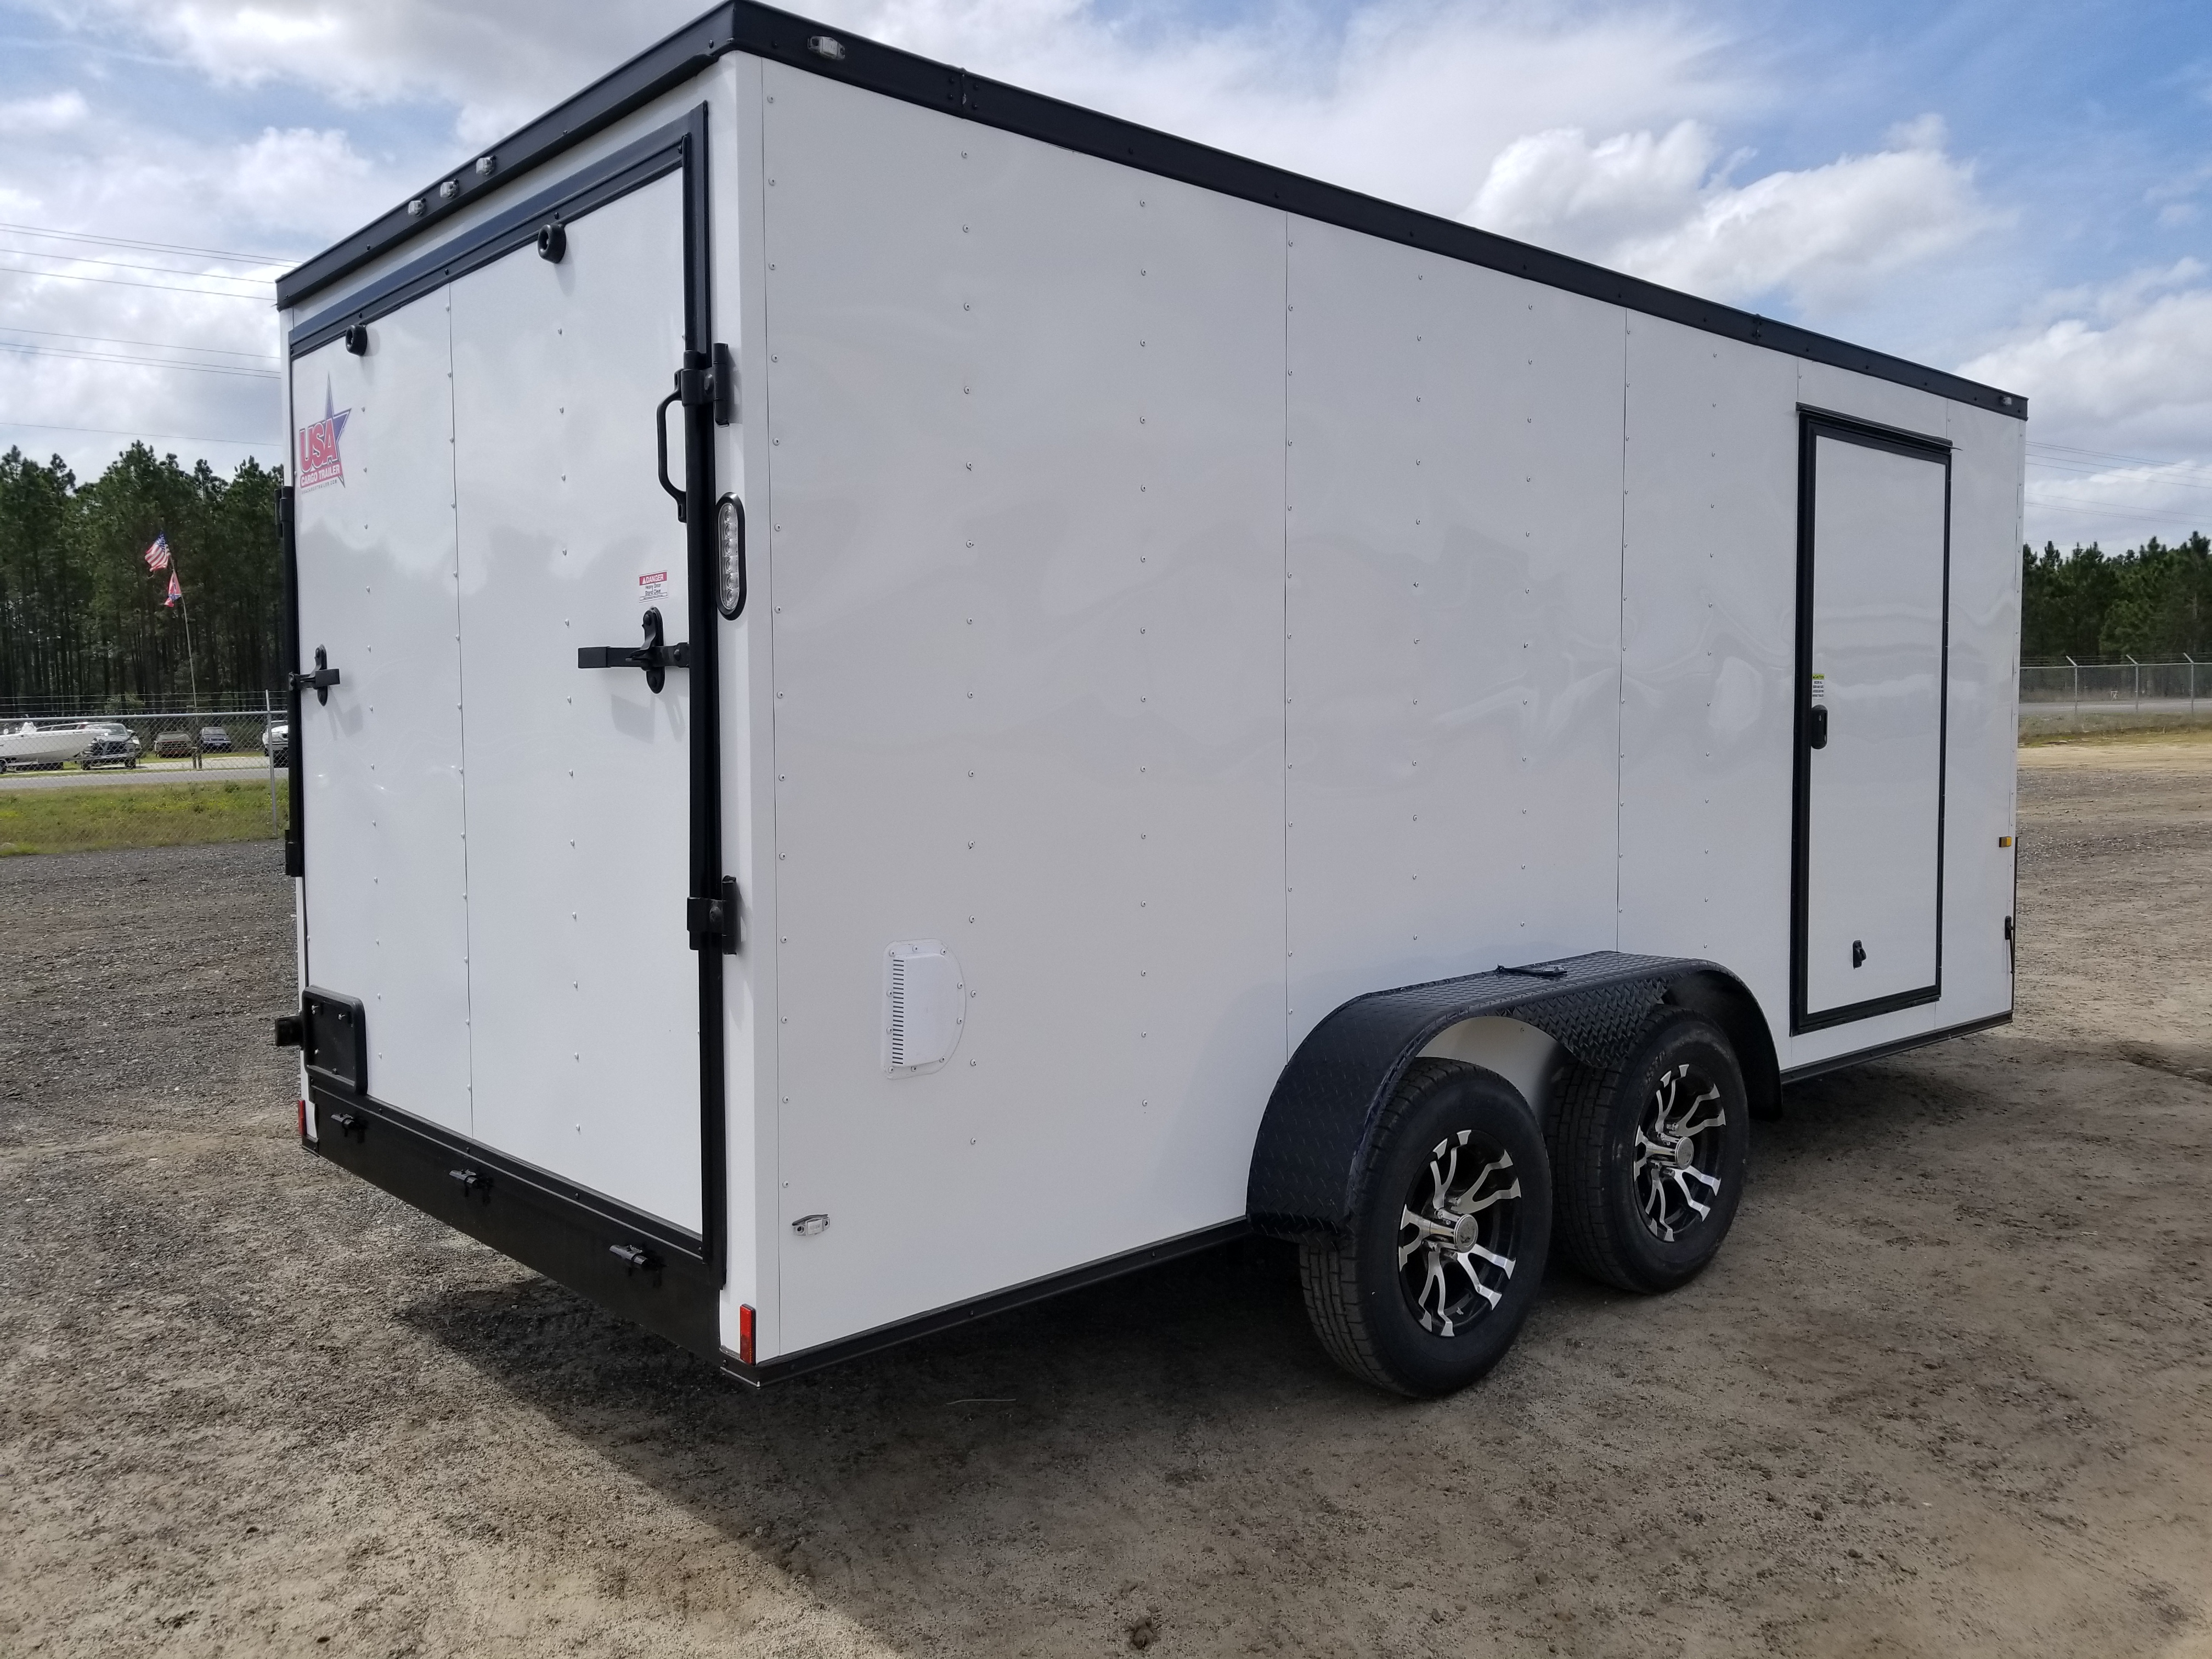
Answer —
(1814, 424)
(657, 154)
(960, 1313)
(1884, 1050)
(1306, 1164)
(631, 1263)
(767, 32)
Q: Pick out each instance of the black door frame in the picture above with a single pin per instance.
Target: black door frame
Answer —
(1814, 424)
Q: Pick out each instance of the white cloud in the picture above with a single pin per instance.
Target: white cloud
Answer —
(2130, 365)
(56, 112)
(1664, 207)
(1410, 98)
(2112, 373)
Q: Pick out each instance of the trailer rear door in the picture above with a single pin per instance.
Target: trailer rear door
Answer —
(386, 894)
(503, 846)
(1872, 585)
(583, 991)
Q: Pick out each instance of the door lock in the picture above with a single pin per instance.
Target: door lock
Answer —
(655, 657)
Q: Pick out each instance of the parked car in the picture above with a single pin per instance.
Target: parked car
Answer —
(214, 740)
(278, 740)
(172, 746)
(114, 746)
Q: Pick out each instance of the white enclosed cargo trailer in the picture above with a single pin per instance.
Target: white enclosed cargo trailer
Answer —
(910, 696)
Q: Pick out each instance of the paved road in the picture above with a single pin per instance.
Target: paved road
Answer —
(252, 765)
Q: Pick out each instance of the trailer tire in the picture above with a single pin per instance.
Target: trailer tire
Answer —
(1396, 1300)
(1642, 1204)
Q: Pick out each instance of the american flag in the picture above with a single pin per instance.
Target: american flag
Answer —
(176, 590)
(157, 556)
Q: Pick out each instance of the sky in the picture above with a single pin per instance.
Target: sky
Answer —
(2021, 191)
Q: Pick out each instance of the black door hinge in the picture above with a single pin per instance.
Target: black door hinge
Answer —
(319, 682)
(706, 919)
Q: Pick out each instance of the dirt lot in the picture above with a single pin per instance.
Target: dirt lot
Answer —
(1948, 1391)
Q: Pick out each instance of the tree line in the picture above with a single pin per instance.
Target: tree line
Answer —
(2152, 603)
(82, 626)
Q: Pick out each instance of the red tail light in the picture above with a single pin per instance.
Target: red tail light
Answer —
(745, 1335)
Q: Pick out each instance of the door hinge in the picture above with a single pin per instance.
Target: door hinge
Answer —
(714, 918)
(320, 681)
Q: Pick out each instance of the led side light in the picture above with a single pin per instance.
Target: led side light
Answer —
(730, 557)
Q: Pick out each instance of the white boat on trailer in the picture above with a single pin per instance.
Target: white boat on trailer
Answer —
(32, 745)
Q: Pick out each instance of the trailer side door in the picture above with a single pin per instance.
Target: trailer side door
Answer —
(1873, 584)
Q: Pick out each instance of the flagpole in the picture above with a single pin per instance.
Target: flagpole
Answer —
(191, 668)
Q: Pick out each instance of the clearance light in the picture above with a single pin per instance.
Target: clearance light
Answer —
(745, 1335)
(730, 557)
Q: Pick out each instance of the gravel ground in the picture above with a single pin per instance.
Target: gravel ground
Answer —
(1948, 1391)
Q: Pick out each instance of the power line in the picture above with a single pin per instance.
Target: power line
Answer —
(114, 432)
(159, 287)
(2106, 472)
(157, 248)
(2101, 512)
(164, 345)
(118, 265)
(141, 363)
(2103, 454)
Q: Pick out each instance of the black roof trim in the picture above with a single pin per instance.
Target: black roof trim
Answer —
(764, 32)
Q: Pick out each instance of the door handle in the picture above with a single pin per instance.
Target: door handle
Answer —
(655, 658)
(1817, 726)
(661, 437)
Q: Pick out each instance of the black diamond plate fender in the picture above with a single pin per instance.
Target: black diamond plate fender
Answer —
(1314, 1136)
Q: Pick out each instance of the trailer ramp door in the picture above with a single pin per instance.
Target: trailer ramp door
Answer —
(583, 991)
(1873, 580)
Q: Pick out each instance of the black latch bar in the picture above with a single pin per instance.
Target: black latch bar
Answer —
(655, 658)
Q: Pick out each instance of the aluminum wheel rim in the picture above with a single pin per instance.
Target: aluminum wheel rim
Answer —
(1458, 1233)
(1678, 1148)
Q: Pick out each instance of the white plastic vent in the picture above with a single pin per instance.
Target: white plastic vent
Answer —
(925, 1006)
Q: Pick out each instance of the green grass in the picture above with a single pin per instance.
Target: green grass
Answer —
(96, 819)
(2129, 735)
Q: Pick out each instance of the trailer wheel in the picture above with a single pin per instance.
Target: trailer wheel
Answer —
(1649, 1155)
(1449, 1236)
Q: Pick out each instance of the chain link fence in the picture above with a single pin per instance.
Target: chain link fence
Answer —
(2089, 696)
(183, 742)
